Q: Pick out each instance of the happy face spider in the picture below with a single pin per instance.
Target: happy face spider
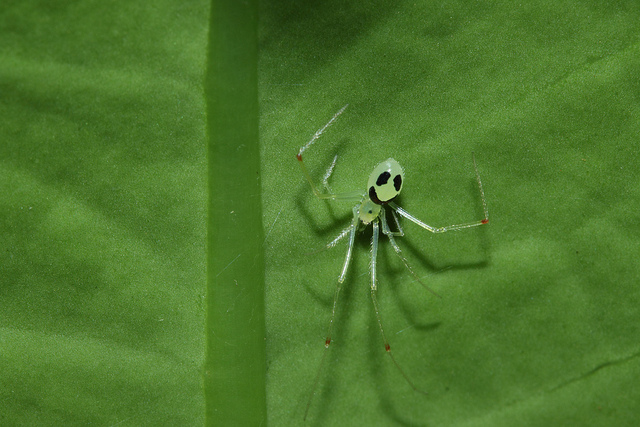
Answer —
(384, 185)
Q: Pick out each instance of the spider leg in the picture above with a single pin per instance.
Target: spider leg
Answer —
(484, 202)
(403, 213)
(385, 226)
(335, 241)
(351, 231)
(485, 220)
(327, 174)
(321, 131)
(374, 288)
(353, 195)
(340, 236)
(390, 234)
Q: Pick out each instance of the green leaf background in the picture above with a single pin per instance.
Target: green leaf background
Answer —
(104, 210)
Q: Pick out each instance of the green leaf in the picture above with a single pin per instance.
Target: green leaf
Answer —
(538, 320)
(103, 213)
(103, 218)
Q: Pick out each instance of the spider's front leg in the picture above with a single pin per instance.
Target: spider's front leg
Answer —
(352, 196)
(453, 227)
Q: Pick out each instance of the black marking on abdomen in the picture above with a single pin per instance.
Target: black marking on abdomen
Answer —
(383, 178)
(374, 196)
(397, 182)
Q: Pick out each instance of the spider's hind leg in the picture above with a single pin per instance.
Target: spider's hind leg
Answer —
(374, 288)
(351, 232)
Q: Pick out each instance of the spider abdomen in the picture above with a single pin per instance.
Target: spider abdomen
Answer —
(385, 182)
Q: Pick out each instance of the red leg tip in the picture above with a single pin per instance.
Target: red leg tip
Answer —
(485, 221)
(299, 156)
(387, 347)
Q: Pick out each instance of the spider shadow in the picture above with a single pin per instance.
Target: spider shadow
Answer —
(326, 386)
(382, 370)
(395, 274)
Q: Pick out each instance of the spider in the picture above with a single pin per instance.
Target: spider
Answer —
(383, 186)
